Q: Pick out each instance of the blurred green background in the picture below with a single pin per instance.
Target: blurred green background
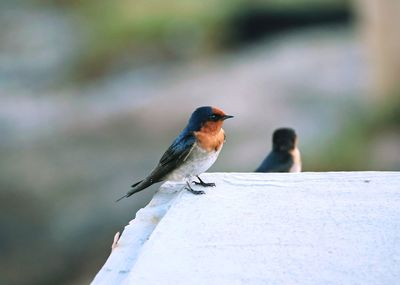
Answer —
(93, 92)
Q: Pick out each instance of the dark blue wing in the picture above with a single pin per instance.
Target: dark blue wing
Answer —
(175, 155)
(276, 162)
(177, 152)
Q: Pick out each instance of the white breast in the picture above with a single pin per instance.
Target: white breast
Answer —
(196, 163)
(296, 167)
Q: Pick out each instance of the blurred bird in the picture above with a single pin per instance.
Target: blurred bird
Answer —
(193, 152)
(285, 156)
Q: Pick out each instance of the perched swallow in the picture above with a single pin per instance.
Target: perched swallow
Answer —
(285, 156)
(193, 152)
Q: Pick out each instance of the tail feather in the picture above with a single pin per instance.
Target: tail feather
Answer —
(132, 191)
(137, 183)
(119, 199)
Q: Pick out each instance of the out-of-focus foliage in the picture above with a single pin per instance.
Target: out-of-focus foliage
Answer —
(370, 139)
(136, 31)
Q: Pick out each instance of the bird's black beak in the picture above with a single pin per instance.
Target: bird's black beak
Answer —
(224, 117)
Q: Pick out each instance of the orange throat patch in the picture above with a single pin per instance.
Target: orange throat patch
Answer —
(210, 138)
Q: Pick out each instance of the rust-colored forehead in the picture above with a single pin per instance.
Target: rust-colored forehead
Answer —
(218, 111)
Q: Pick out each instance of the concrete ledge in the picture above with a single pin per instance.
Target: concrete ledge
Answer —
(305, 228)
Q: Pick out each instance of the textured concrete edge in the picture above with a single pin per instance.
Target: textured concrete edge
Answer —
(123, 258)
(135, 235)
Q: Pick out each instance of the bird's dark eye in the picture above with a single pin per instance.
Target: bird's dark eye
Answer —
(214, 117)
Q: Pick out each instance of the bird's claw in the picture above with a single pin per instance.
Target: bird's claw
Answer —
(195, 192)
(204, 184)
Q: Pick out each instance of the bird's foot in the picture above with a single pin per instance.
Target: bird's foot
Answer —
(195, 192)
(202, 183)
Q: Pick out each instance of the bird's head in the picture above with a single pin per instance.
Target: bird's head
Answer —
(284, 139)
(207, 119)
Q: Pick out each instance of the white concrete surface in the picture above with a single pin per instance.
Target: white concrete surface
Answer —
(302, 228)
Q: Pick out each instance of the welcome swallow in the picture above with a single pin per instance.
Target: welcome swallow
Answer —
(193, 152)
(285, 156)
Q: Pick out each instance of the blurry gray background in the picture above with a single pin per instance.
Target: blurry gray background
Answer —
(93, 92)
